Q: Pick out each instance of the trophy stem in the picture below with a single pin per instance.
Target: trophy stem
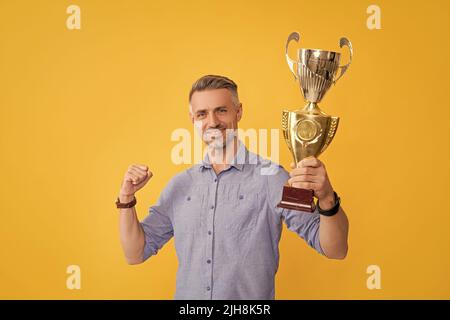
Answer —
(313, 108)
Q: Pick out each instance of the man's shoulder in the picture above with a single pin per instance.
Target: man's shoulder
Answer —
(267, 167)
(185, 177)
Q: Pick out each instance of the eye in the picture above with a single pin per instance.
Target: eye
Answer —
(200, 115)
(223, 110)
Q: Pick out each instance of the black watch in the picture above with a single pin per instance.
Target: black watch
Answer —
(333, 210)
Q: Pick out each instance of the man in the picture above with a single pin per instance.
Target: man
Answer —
(223, 213)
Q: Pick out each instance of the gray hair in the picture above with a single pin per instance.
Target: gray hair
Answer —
(210, 82)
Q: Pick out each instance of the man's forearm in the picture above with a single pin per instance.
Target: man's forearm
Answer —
(333, 235)
(131, 233)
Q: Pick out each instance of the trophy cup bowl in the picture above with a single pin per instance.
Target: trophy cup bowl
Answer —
(309, 131)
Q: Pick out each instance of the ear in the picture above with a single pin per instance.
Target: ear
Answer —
(239, 112)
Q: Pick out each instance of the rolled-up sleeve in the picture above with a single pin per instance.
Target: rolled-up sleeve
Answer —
(305, 224)
(157, 225)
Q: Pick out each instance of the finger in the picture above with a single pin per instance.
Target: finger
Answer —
(304, 185)
(292, 165)
(144, 181)
(142, 175)
(304, 171)
(136, 167)
(140, 178)
(142, 166)
(132, 177)
(310, 162)
(302, 178)
(138, 172)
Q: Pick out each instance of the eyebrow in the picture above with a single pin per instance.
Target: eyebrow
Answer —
(204, 110)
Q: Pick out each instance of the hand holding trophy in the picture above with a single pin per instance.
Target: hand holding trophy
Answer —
(309, 131)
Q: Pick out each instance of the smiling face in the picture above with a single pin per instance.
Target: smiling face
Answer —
(215, 116)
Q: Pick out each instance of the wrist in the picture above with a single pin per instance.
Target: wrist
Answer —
(327, 202)
(125, 198)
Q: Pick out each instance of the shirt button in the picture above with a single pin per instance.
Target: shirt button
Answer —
(212, 207)
(209, 232)
(215, 180)
(241, 197)
(188, 198)
(208, 261)
(208, 288)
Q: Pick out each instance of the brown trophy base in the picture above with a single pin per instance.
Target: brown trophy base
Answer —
(297, 199)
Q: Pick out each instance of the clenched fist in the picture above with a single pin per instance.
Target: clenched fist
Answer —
(135, 178)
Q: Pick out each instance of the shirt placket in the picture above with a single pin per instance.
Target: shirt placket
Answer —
(209, 259)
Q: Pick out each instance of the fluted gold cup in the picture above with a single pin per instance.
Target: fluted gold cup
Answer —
(309, 131)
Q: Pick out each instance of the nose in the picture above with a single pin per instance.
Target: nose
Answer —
(212, 121)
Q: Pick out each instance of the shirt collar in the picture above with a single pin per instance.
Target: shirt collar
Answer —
(238, 162)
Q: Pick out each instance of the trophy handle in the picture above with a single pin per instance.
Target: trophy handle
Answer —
(347, 43)
(291, 63)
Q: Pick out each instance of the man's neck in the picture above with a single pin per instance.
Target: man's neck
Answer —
(221, 158)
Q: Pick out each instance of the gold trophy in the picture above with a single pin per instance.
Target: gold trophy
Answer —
(309, 131)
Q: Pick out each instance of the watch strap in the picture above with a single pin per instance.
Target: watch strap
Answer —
(130, 204)
(332, 211)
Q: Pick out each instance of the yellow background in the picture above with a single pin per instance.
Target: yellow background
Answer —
(79, 106)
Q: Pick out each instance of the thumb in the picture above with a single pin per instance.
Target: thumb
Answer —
(143, 182)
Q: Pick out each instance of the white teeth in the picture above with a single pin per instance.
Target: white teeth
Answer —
(213, 133)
